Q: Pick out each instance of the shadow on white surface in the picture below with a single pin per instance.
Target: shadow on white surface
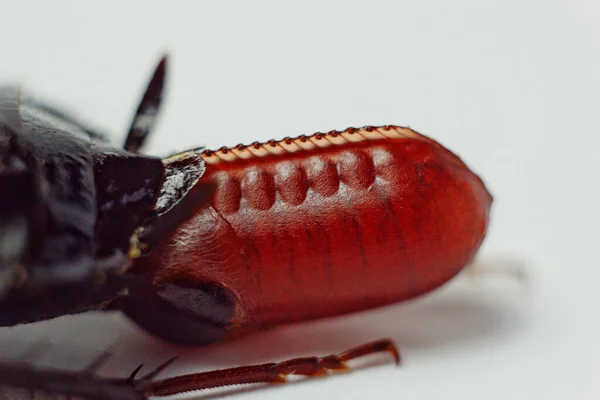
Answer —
(464, 314)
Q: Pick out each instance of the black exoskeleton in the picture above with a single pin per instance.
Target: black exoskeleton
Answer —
(74, 209)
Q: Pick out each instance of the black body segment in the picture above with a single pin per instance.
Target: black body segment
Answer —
(62, 155)
(183, 313)
(27, 305)
(126, 184)
(74, 210)
(68, 209)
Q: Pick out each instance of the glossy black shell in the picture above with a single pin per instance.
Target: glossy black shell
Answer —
(69, 203)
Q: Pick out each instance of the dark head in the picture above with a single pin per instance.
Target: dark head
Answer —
(70, 205)
(75, 210)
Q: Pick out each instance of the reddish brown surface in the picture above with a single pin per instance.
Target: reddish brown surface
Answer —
(269, 373)
(315, 233)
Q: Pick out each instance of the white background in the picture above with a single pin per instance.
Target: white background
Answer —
(512, 86)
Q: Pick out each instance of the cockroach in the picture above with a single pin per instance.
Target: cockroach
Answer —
(207, 245)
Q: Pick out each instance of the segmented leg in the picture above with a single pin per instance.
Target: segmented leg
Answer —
(268, 373)
(85, 385)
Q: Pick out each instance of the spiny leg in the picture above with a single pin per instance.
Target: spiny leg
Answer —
(145, 116)
(268, 373)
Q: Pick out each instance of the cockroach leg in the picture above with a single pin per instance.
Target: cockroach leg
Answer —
(268, 373)
(152, 374)
(147, 112)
